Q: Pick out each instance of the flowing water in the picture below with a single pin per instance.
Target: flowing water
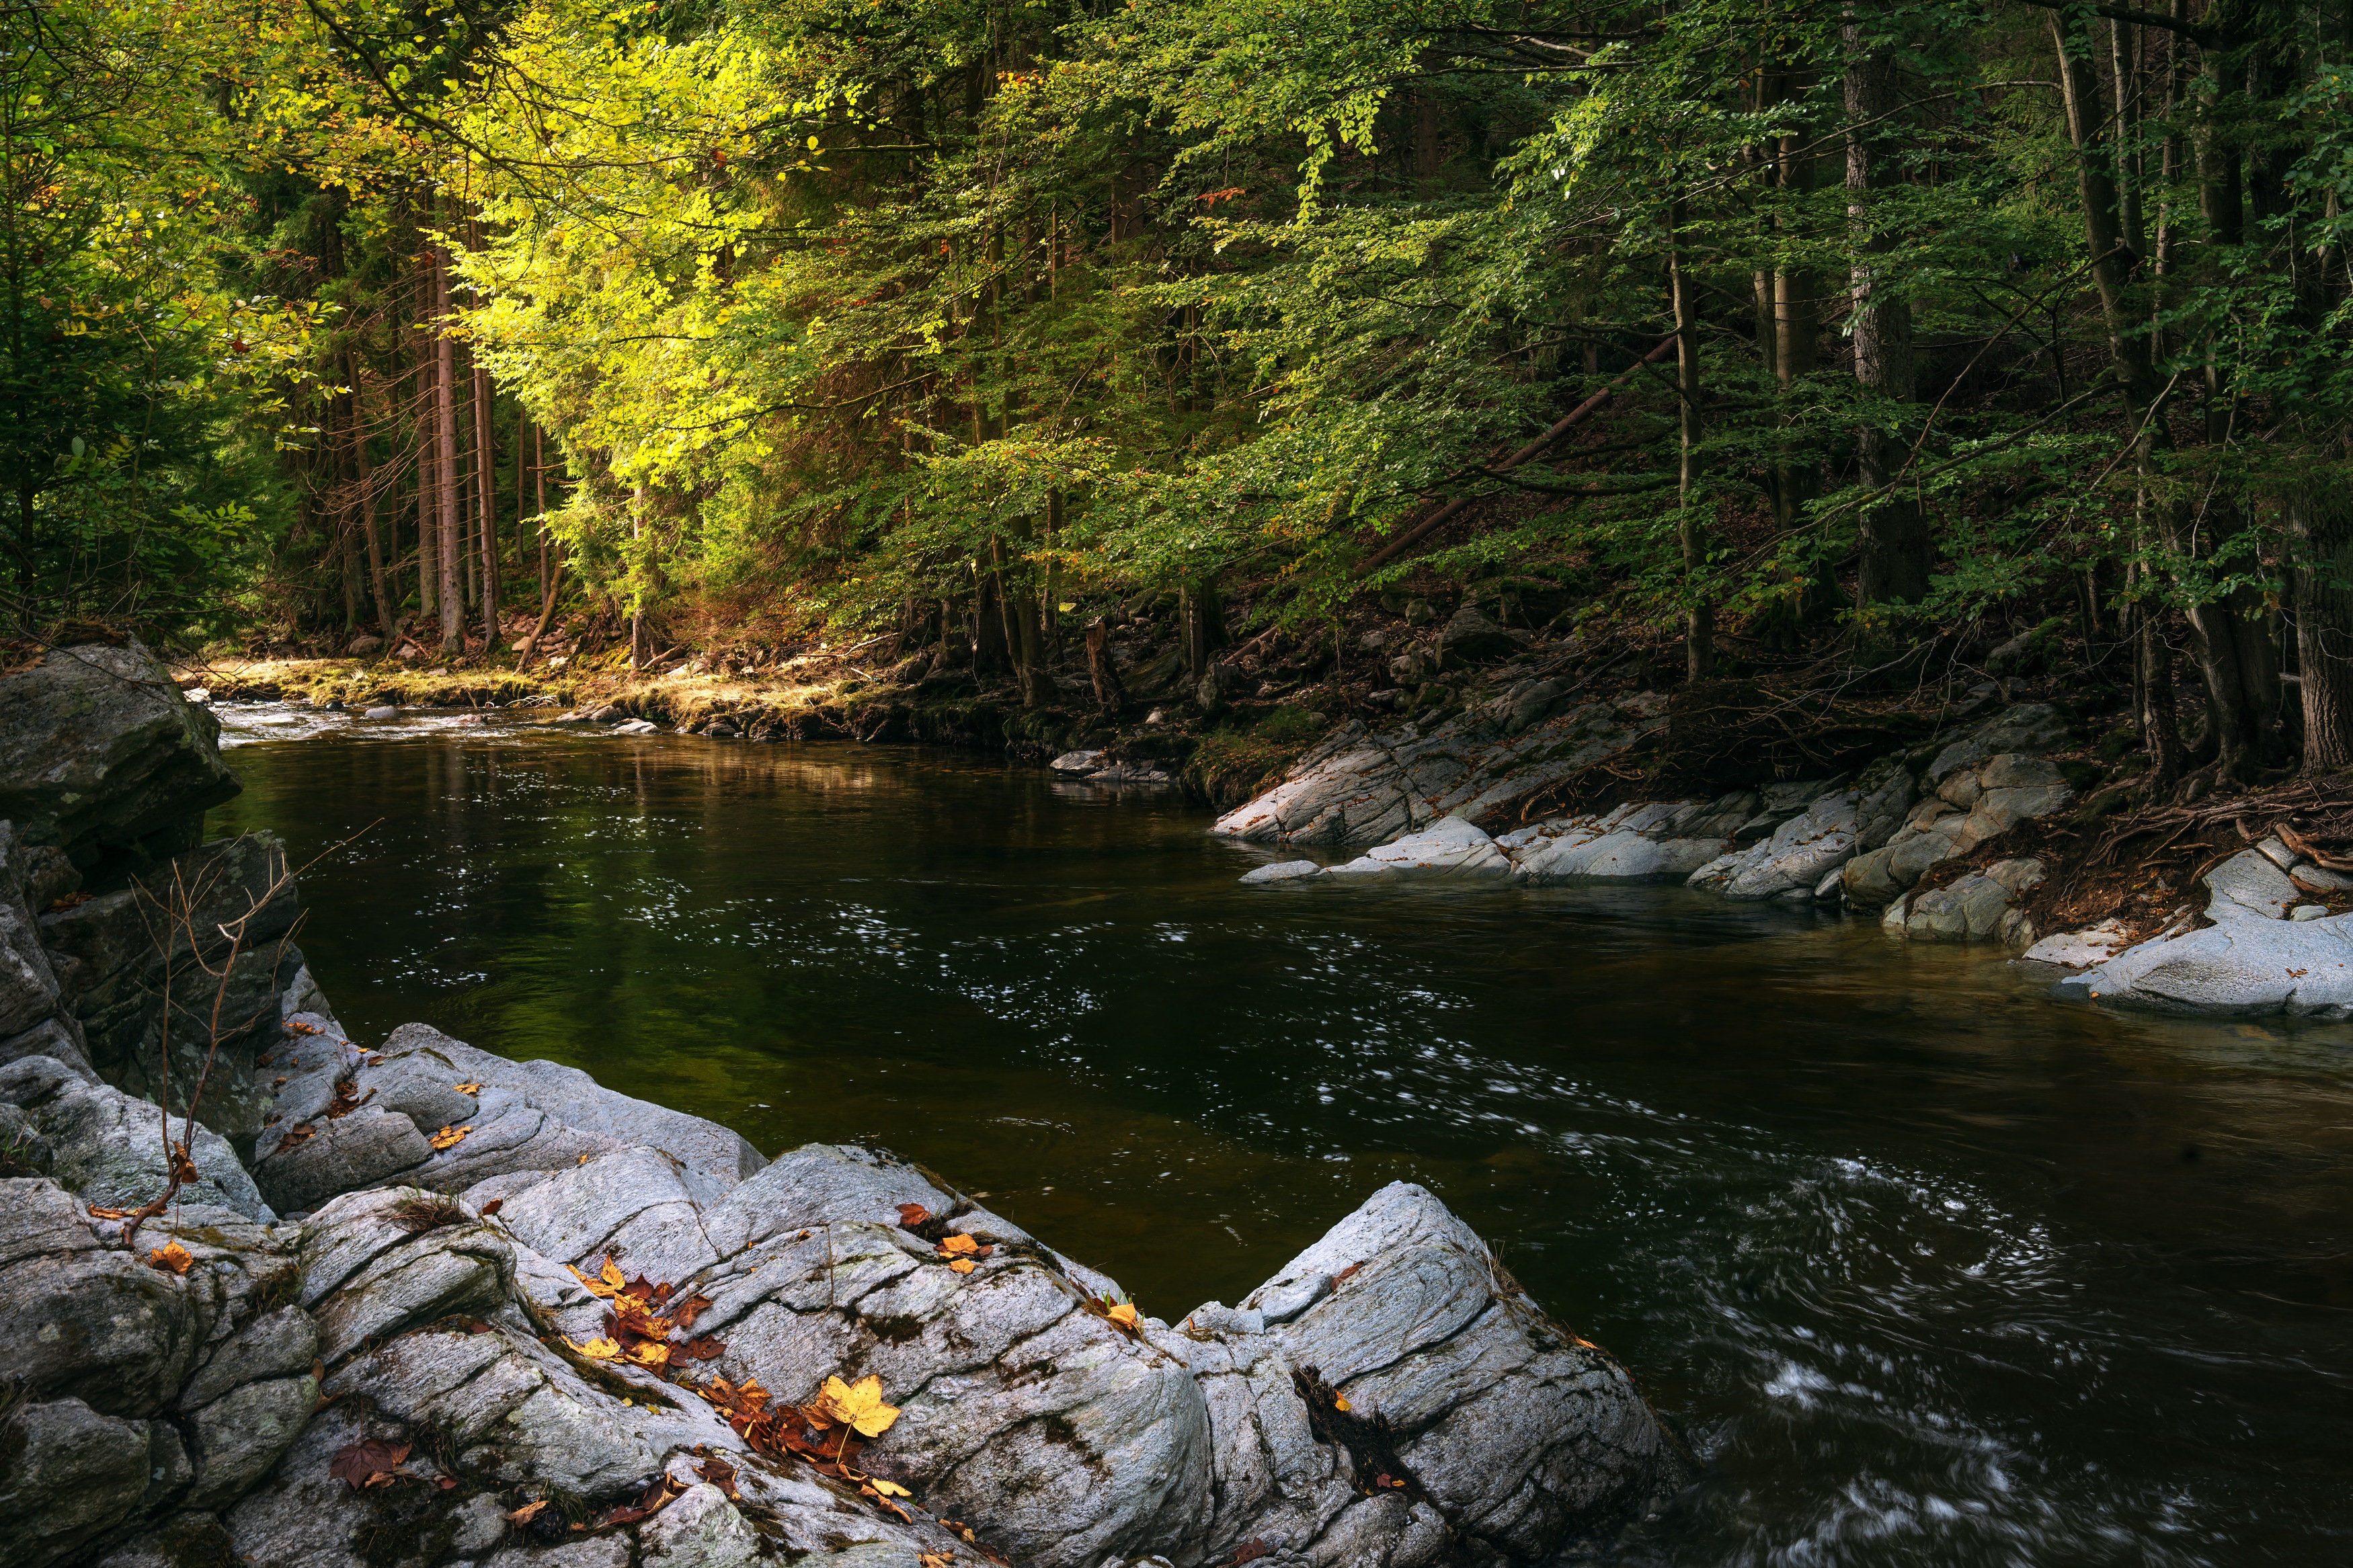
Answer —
(1930, 1268)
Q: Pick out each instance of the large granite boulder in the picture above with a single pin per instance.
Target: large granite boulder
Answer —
(2263, 953)
(97, 742)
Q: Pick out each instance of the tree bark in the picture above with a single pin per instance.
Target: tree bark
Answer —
(1896, 550)
(2323, 527)
(2236, 730)
(445, 463)
(1109, 695)
(366, 477)
(1699, 614)
(487, 528)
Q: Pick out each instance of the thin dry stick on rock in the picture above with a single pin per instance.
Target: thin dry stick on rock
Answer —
(173, 923)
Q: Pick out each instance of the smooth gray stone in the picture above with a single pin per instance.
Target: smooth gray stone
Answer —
(1448, 847)
(1359, 788)
(714, 1158)
(244, 1431)
(90, 1322)
(279, 1344)
(29, 986)
(100, 741)
(53, 1038)
(186, 1539)
(1801, 852)
(2030, 727)
(2247, 886)
(1968, 910)
(342, 1154)
(1284, 871)
(72, 1477)
(454, 1269)
(108, 1147)
(700, 1530)
(2246, 966)
(632, 1206)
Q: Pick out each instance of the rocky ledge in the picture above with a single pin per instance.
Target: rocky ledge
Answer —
(417, 1306)
(1864, 841)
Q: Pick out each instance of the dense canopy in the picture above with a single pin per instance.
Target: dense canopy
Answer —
(1766, 331)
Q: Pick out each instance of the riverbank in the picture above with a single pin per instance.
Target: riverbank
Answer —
(419, 1304)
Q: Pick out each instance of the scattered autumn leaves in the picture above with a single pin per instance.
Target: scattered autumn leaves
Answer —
(639, 1328)
(960, 1253)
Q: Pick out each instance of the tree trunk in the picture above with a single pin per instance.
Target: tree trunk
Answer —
(366, 476)
(445, 461)
(487, 529)
(1897, 550)
(1109, 696)
(1699, 614)
(2236, 730)
(1205, 627)
(638, 652)
(2323, 527)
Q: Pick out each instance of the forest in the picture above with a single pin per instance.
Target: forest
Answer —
(1833, 345)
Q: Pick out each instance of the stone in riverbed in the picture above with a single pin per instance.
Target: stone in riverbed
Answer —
(2083, 949)
(1284, 871)
(1447, 848)
(106, 1145)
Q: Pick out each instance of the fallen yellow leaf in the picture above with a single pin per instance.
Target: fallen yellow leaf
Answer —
(1124, 1314)
(650, 1353)
(171, 1256)
(469, 1087)
(598, 1348)
(527, 1513)
(449, 1137)
(959, 1246)
(1340, 1402)
(887, 1489)
(860, 1408)
(961, 1265)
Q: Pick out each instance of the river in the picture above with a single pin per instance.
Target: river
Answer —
(1930, 1268)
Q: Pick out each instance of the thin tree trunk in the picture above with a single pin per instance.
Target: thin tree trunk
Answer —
(367, 498)
(487, 531)
(1109, 695)
(2236, 730)
(444, 465)
(1699, 614)
(1897, 550)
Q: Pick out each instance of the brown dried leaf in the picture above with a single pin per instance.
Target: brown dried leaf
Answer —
(171, 1256)
(961, 1265)
(371, 1461)
(913, 1214)
(959, 1246)
(527, 1513)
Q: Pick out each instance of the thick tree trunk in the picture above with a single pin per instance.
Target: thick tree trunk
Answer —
(2323, 527)
(1205, 627)
(1896, 550)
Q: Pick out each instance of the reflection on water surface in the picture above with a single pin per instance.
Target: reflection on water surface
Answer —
(1932, 1270)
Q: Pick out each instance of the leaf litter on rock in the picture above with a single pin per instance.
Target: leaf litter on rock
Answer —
(370, 1462)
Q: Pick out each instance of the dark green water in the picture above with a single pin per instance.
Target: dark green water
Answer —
(1931, 1269)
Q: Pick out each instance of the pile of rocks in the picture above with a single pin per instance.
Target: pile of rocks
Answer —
(1866, 841)
(386, 1344)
